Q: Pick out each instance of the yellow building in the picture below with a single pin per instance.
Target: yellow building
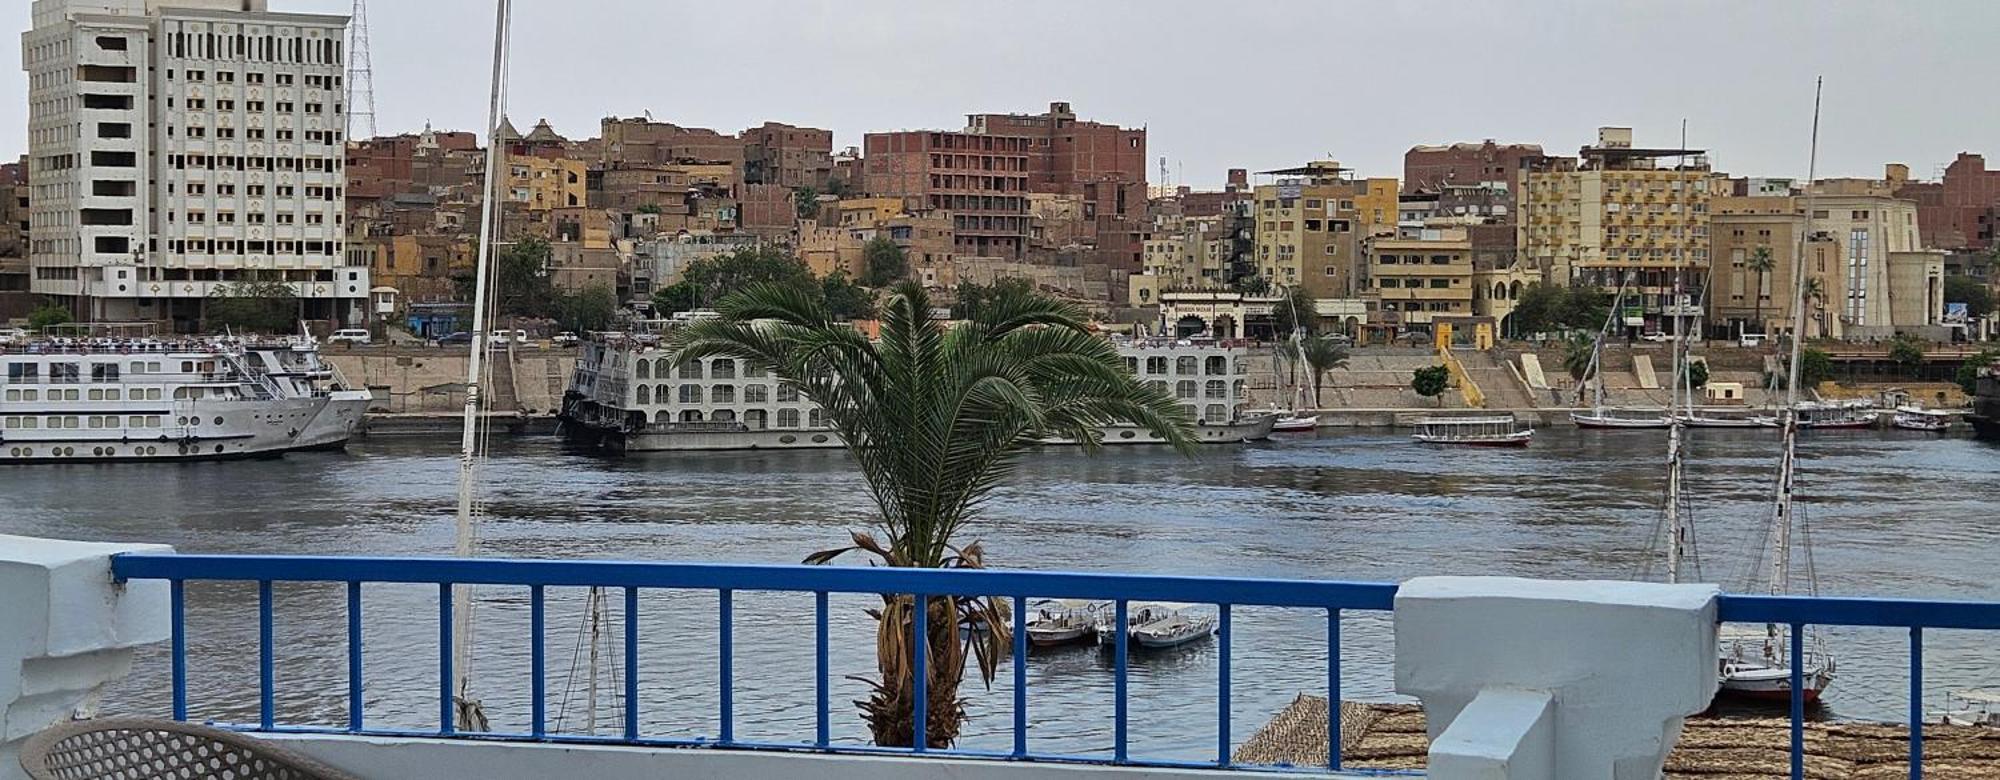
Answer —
(1624, 215)
(540, 183)
(1415, 281)
(1311, 222)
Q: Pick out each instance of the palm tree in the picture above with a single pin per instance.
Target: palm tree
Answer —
(1578, 354)
(936, 417)
(1761, 262)
(1321, 354)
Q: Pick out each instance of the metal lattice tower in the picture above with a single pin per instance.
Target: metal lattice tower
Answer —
(360, 76)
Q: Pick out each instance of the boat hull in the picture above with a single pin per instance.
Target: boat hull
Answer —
(1603, 422)
(1057, 637)
(808, 439)
(1922, 424)
(201, 430)
(1728, 422)
(1775, 688)
(336, 422)
(1162, 642)
(1521, 439)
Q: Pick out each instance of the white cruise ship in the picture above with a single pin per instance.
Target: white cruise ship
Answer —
(627, 396)
(76, 400)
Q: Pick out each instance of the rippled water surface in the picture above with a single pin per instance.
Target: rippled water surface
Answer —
(1891, 514)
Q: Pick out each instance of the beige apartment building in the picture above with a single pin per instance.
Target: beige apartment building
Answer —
(1623, 215)
(1311, 222)
(1411, 282)
(1866, 275)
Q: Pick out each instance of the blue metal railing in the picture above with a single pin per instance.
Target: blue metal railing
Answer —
(1794, 612)
(1798, 612)
(724, 580)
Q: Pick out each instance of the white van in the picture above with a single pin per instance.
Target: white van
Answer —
(349, 336)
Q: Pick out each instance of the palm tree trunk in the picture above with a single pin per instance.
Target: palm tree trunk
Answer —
(1759, 302)
(889, 711)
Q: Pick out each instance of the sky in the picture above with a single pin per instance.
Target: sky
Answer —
(1259, 84)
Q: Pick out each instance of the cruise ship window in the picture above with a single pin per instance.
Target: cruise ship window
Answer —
(722, 394)
(63, 372)
(97, 395)
(787, 394)
(755, 419)
(753, 371)
(152, 394)
(788, 418)
(19, 372)
(817, 419)
(1185, 364)
(756, 394)
(723, 368)
(645, 394)
(1216, 414)
(1217, 389)
(690, 394)
(691, 370)
(644, 370)
(71, 395)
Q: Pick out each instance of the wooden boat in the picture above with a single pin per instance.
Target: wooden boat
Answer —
(1912, 418)
(1608, 417)
(1159, 625)
(1758, 665)
(1473, 431)
(1064, 621)
(1976, 707)
(1699, 420)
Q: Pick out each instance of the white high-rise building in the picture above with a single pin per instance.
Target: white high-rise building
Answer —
(181, 148)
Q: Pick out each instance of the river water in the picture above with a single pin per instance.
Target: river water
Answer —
(1891, 513)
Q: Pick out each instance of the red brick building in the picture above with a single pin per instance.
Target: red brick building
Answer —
(788, 156)
(1959, 212)
(1427, 168)
(641, 141)
(412, 162)
(981, 175)
(981, 180)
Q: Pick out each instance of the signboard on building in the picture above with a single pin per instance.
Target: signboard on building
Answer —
(1957, 313)
(1289, 191)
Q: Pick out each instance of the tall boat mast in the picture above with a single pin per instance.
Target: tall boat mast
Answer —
(1781, 510)
(469, 453)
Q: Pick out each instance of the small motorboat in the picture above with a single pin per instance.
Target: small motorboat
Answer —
(1292, 422)
(1914, 418)
(1976, 707)
(1064, 621)
(1473, 431)
(1158, 626)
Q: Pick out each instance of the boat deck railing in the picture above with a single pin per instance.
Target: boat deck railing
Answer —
(1018, 588)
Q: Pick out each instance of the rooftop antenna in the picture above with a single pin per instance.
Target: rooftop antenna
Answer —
(360, 75)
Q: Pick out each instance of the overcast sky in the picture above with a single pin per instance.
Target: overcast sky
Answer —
(1221, 84)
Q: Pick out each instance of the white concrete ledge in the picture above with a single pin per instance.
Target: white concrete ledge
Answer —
(66, 629)
(1621, 664)
(444, 759)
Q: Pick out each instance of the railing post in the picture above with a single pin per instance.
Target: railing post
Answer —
(1020, 677)
(354, 699)
(537, 665)
(822, 735)
(1118, 686)
(1333, 689)
(177, 607)
(1222, 741)
(1798, 702)
(631, 664)
(726, 662)
(1916, 703)
(266, 677)
(445, 672)
(920, 668)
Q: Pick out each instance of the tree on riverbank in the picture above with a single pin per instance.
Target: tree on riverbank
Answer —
(1431, 382)
(1322, 355)
(935, 417)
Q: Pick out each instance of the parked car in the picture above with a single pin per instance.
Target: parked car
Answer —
(565, 339)
(1656, 337)
(350, 336)
(461, 337)
(1752, 339)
